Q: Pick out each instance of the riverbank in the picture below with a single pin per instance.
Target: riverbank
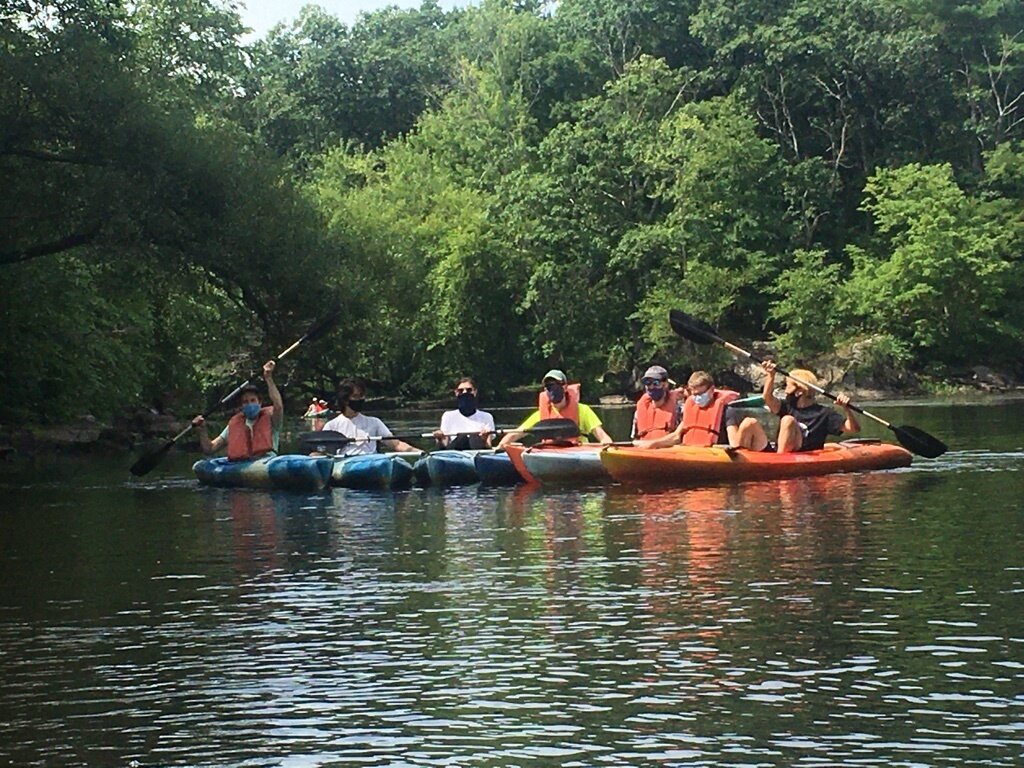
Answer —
(148, 429)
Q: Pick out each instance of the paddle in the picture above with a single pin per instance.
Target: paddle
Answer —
(754, 401)
(327, 441)
(148, 461)
(913, 439)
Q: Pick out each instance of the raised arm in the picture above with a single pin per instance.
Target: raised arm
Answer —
(768, 392)
(275, 394)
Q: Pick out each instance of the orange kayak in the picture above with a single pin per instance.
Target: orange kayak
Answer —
(693, 465)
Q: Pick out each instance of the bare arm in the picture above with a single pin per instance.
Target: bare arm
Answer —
(852, 425)
(206, 445)
(768, 392)
(275, 394)
(666, 441)
(510, 437)
(400, 445)
(601, 435)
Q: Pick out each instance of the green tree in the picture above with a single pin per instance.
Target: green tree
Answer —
(422, 213)
(147, 199)
(318, 83)
(937, 276)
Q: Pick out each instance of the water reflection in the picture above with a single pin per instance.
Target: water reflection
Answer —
(863, 619)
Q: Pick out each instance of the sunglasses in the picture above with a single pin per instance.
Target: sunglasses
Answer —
(463, 391)
(652, 382)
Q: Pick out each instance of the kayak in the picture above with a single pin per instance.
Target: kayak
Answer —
(754, 401)
(496, 469)
(692, 465)
(289, 472)
(553, 464)
(368, 471)
(446, 467)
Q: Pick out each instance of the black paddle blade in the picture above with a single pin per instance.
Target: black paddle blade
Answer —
(920, 442)
(324, 441)
(689, 327)
(551, 429)
(323, 327)
(146, 464)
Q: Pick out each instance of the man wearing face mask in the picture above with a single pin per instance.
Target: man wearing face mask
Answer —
(703, 420)
(466, 427)
(254, 431)
(804, 424)
(560, 400)
(659, 409)
(358, 426)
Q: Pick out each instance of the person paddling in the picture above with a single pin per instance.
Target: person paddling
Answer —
(804, 424)
(466, 427)
(703, 421)
(315, 406)
(560, 400)
(360, 427)
(255, 430)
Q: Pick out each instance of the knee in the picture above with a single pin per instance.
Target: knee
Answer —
(748, 423)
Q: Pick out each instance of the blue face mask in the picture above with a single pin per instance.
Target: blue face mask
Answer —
(655, 393)
(251, 410)
(704, 399)
(555, 393)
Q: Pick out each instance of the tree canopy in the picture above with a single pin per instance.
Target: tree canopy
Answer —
(500, 188)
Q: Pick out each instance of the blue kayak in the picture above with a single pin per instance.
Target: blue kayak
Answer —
(496, 469)
(441, 468)
(373, 471)
(289, 472)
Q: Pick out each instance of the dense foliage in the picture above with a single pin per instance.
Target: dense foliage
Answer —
(498, 189)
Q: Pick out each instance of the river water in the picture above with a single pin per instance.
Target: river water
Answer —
(854, 620)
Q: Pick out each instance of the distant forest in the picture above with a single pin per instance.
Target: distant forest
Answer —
(496, 190)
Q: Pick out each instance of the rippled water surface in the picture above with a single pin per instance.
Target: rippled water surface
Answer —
(868, 619)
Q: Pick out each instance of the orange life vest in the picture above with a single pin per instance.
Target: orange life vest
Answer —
(655, 420)
(571, 410)
(704, 425)
(244, 443)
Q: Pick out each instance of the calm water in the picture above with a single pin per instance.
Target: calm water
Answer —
(873, 619)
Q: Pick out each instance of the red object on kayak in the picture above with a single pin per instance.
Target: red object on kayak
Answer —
(692, 465)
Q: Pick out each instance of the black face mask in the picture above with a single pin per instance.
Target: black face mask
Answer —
(356, 405)
(555, 393)
(792, 399)
(466, 402)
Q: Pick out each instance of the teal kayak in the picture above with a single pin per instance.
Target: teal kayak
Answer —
(289, 472)
(370, 471)
(496, 469)
(442, 468)
(553, 465)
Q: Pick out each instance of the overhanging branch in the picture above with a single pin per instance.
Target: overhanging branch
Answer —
(46, 249)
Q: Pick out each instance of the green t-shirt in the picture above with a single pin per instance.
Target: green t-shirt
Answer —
(589, 420)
